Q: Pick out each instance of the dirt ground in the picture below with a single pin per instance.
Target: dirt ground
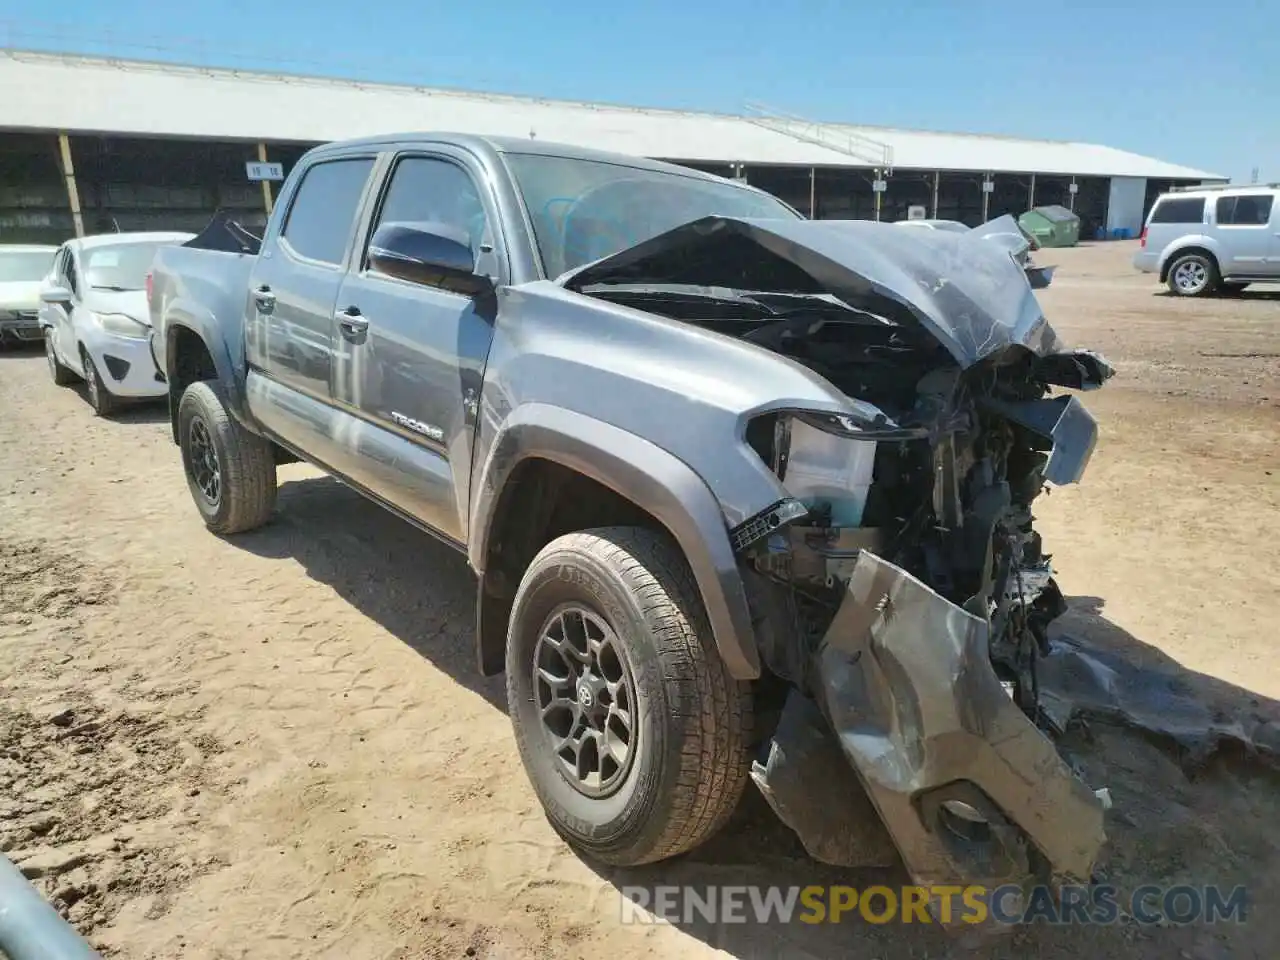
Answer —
(279, 747)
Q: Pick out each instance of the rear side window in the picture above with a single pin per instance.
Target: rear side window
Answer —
(1179, 210)
(324, 209)
(1245, 211)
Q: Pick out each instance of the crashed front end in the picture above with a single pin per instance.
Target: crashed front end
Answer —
(899, 586)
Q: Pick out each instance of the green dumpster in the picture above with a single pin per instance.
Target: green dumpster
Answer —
(1052, 226)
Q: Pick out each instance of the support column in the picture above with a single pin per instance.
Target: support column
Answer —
(813, 193)
(1071, 195)
(73, 192)
(986, 197)
(877, 193)
(937, 175)
(1031, 194)
(266, 184)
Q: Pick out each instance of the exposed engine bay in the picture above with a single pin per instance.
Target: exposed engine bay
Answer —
(900, 585)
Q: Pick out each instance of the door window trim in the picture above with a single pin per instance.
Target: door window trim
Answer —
(1235, 199)
(493, 222)
(292, 252)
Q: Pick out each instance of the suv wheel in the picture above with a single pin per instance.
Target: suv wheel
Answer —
(630, 727)
(231, 472)
(1193, 275)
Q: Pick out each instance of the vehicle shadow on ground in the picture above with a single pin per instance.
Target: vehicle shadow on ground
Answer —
(1244, 296)
(1175, 819)
(416, 587)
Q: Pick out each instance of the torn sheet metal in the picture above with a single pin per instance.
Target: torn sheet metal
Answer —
(909, 689)
(965, 291)
(1080, 681)
(1070, 429)
(812, 789)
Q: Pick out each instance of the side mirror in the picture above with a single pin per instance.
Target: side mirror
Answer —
(432, 254)
(55, 295)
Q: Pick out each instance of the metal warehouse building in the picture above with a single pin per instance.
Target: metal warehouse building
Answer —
(90, 144)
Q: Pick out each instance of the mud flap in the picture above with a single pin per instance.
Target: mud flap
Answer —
(970, 790)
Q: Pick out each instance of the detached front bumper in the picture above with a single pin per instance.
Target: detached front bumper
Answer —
(942, 749)
(125, 364)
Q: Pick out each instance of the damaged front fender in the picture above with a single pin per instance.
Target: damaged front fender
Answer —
(968, 787)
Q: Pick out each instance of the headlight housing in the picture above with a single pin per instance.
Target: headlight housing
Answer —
(123, 325)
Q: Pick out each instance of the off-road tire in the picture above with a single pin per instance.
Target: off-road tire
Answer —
(245, 461)
(1201, 263)
(103, 401)
(61, 374)
(694, 720)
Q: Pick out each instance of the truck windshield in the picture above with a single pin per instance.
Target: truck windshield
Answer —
(24, 265)
(583, 210)
(120, 266)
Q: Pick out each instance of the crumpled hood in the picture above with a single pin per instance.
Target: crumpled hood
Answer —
(20, 295)
(966, 290)
(132, 303)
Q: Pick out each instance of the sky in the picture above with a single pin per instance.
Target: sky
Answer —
(1180, 80)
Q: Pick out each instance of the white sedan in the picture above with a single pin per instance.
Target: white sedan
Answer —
(93, 308)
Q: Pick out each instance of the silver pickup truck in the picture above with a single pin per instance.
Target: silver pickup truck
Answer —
(725, 475)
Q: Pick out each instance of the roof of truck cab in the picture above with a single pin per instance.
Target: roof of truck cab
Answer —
(513, 145)
(118, 239)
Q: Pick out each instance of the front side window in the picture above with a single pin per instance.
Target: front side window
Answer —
(73, 281)
(1245, 211)
(583, 210)
(1179, 210)
(324, 209)
(119, 267)
(426, 190)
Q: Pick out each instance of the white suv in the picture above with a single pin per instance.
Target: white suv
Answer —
(1207, 240)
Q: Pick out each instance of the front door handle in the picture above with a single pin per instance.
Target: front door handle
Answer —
(352, 322)
(265, 299)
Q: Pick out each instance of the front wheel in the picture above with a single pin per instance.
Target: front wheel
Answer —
(61, 374)
(1193, 275)
(231, 472)
(103, 401)
(629, 725)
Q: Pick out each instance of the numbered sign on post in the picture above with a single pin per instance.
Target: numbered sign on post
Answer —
(264, 171)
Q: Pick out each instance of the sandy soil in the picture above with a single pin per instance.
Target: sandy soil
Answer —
(279, 747)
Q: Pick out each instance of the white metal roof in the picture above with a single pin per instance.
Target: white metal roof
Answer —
(129, 97)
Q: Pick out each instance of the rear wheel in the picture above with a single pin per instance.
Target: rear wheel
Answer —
(61, 374)
(103, 401)
(630, 727)
(231, 472)
(1193, 275)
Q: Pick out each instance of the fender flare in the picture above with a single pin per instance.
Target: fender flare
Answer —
(209, 333)
(1197, 241)
(649, 477)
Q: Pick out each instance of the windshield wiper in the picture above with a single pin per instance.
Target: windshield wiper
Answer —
(113, 288)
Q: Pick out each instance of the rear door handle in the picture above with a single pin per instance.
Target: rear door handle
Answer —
(265, 299)
(353, 322)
